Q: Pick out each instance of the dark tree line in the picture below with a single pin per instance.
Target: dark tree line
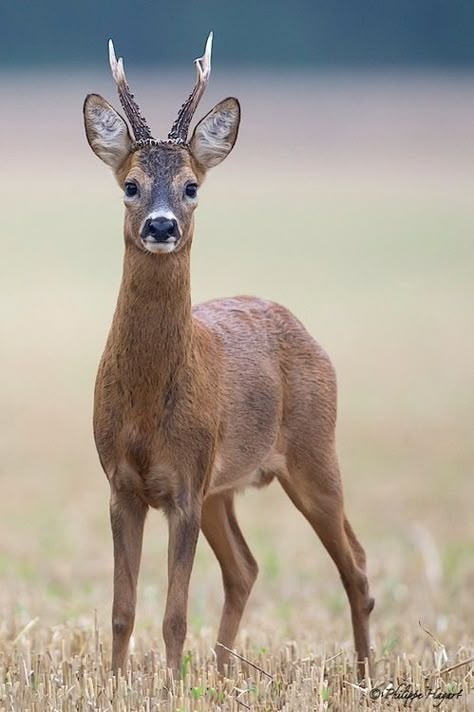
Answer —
(266, 32)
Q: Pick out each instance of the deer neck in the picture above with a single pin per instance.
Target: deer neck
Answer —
(152, 329)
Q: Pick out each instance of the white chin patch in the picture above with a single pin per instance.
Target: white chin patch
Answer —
(159, 247)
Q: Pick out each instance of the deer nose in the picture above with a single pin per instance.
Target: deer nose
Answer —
(160, 229)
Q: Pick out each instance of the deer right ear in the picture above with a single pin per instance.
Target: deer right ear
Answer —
(106, 131)
(215, 135)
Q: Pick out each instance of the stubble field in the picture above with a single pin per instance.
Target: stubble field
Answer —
(348, 199)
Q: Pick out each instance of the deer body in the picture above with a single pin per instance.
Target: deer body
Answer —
(192, 405)
(183, 380)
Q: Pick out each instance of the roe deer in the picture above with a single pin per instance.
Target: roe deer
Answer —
(195, 403)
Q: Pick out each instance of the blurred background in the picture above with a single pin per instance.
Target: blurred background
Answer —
(349, 198)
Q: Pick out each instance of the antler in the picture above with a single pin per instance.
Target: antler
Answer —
(179, 130)
(140, 128)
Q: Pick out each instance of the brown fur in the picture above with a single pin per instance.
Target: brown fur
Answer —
(193, 404)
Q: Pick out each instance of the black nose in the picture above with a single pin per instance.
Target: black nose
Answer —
(160, 229)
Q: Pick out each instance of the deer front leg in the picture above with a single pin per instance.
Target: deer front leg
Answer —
(127, 516)
(183, 535)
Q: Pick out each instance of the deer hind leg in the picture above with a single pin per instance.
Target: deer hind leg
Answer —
(239, 568)
(356, 546)
(127, 516)
(317, 492)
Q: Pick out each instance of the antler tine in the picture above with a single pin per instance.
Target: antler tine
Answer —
(140, 128)
(179, 130)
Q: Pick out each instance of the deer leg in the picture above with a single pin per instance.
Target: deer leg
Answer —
(356, 546)
(317, 493)
(183, 535)
(127, 516)
(239, 568)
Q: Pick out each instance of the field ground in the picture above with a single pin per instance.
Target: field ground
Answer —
(349, 199)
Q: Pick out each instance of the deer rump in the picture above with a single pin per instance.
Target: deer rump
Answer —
(273, 405)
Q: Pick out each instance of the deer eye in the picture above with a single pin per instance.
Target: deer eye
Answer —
(191, 190)
(131, 189)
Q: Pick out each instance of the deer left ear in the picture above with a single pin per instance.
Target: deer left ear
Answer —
(215, 135)
(106, 131)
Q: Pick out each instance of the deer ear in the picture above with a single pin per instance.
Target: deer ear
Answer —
(215, 135)
(106, 131)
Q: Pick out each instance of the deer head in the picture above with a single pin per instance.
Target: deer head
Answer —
(160, 178)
